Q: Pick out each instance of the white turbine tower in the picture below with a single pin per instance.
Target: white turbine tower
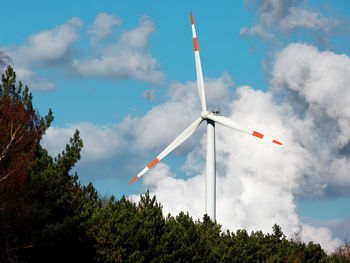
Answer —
(211, 118)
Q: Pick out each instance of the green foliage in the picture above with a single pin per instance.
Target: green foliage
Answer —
(57, 226)
(60, 207)
(128, 232)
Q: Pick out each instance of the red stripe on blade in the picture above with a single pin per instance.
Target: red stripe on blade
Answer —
(191, 19)
(277, 142)
(195, 44)
(258, 134)
(133, 180)
(153, 163)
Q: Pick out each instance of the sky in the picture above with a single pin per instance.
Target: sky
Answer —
(123, 74)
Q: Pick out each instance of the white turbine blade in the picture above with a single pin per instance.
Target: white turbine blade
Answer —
(178, 140)
(200, 82)
(236, 126)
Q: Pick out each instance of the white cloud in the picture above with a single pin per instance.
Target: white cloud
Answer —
(284, 16)
(320, 77)
(49, 49)
(339, 227)
(301, 18)
(139, 36)
(320, 235)
(129, 57)
(102, 26)
(256, 30)
(320, 80)
(189, 194)
(48, 45)
(31, 79)
(100, 141)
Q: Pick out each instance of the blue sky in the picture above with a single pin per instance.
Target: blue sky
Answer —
(113, 69)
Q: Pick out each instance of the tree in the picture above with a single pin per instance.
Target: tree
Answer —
(56, 228)
(61, 209)
(126, 232)
(21, 129)
(43, 208)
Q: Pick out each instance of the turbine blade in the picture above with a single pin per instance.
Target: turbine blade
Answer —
(200, 82)
(236, 126)
(178, 140)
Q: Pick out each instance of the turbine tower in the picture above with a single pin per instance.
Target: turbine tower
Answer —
(211, 118)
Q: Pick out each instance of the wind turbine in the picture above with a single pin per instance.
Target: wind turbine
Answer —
(211, 118)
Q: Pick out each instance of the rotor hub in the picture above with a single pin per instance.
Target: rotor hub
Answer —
(204, 114)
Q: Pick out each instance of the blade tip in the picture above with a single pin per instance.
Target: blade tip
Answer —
(277, 142)
(133, 180)
(192, 19)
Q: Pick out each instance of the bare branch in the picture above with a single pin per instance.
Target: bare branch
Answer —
(4, 59)
(4, 178)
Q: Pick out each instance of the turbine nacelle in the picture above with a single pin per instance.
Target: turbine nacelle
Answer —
(205, 114)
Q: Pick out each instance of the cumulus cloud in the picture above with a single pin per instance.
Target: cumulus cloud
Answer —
(49, 45)
(339, 227)
(322, 236)
(189, 193)
(258, 183)
(280, 16)
(102, 26)
(100, 141)
(31, 79)
(129, 57)
(319, 80)
(49, 48)
(301, 18)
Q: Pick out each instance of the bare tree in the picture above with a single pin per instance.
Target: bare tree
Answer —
(343, 250)
(4, 59)
(21, 129)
